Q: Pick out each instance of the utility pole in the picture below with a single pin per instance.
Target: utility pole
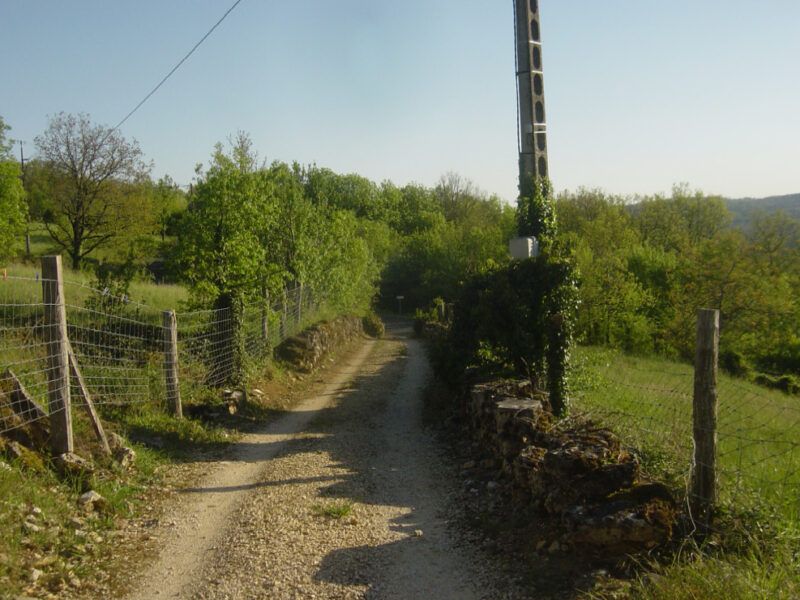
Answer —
(28, 220)
(532, 142)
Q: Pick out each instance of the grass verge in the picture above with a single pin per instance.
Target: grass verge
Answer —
(754, 550)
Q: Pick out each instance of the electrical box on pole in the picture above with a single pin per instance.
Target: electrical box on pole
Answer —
(530, 90)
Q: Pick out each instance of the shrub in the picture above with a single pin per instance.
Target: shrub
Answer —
(373, 325)
(734, 363)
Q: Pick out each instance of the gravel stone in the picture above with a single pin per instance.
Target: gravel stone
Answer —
(331, 502)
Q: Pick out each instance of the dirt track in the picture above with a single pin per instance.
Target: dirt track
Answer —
(261, 525)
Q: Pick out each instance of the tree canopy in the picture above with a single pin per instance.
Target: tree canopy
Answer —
(89, 166)
(12, 199)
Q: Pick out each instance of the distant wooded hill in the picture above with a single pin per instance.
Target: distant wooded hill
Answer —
(742, 207)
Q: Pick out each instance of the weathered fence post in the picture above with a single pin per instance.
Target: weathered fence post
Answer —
(284, 324)
(704, 475)
(299, 302)
(170, 323)
(55, 320)
(265, 315)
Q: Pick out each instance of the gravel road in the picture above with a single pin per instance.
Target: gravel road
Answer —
(347, 496)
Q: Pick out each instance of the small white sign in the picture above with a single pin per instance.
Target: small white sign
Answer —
(523, 247)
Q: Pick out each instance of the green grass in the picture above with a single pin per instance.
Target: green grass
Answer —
(699, 575)
(648, 401)
(754, 551)
(64, 542)
(336, 510)
(78, 288)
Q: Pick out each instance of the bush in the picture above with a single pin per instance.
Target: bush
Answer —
(515, 321)
(373, 325)
(788, 384)
(733, 363)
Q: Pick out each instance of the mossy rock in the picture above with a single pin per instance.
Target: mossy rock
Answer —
(30, 459)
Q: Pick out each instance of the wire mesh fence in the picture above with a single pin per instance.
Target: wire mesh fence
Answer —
(649, 403)
(118, 345)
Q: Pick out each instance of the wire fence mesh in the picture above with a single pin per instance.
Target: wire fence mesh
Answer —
(648, 402)
(118, 345)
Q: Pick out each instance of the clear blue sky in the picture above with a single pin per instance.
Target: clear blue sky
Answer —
(640, 94)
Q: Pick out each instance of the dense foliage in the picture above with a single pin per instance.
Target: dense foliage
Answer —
(647, 265)
(517, 318)
(514, 321)
(12, 199)
(248, 229)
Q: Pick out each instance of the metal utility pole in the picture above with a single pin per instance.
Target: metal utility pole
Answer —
(28, 221)
(530, 89)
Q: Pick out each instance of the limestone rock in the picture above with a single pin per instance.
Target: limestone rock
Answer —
(91, 500)
(573, 470)
(115, 441)
(70, 464)
(126, 457)
(308, 349)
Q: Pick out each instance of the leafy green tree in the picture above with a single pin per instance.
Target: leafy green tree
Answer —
(221, 249)
(169, 202)
(87, 163)
(230, 210)
(347, 192)
(12, 199)
(417, 210)
(614, 302)
(775, 241)
(682, 221)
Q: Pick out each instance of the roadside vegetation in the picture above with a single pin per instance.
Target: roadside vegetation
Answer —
(634, 272)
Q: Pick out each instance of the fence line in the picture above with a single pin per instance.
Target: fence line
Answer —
(119, 345)
(650, 405)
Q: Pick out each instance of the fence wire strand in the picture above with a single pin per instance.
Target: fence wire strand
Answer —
(758, 429)
(119, 346)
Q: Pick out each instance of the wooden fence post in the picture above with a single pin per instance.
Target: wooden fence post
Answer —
(284, 324)
(299, 303)
(170, 323)
(55, 319)
(704, 414)
(265, 315)
(83, 390)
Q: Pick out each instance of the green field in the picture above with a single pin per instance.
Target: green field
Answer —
(648, 401)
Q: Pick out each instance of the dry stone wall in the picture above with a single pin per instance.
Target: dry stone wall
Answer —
(306, 350)
(576, 473)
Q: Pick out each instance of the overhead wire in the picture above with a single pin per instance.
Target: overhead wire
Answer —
(176, 67)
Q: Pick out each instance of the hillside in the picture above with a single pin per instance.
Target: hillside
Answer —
(742, 207)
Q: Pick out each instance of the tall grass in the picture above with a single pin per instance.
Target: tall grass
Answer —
(648, 401)
(754, 552)
(162, 296)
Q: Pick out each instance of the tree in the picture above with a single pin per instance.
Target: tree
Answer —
(169, 202)
(12, 198)
(89, 162)
(775, 239)
(457, 197)
(223, 229)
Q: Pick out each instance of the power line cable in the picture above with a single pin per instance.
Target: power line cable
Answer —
(176, 67)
